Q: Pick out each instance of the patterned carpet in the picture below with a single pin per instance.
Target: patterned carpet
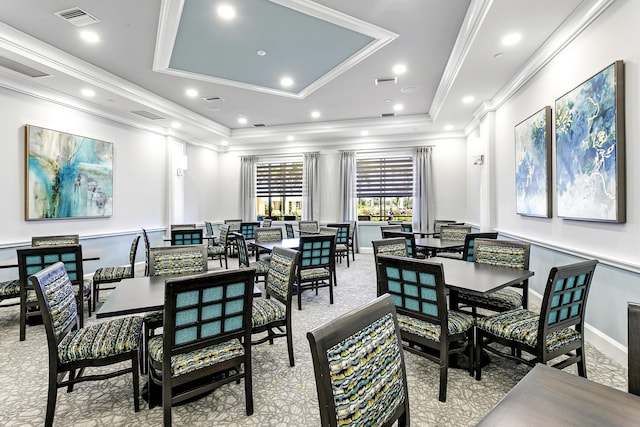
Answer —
(283, 396)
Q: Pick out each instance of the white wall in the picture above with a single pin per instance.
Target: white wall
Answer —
(202, 183)
(139, 185)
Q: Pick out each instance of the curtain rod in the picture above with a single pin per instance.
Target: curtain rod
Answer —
(373, 150)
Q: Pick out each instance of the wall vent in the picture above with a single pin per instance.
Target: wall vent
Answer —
(148, 115)
(21, 68)
(388, 115)
(77, 17)
(386, 81)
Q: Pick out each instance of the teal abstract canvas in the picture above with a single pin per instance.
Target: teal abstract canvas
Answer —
(68, 176)
(590, 174)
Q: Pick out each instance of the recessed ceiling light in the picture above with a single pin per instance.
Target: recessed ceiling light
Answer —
(226, 11)
(399, 69)
(290, 138)
(511, 39)
(261, 52)
(176, 125)
(315, 114)
(88, 92)
(364, 133)
(224, 142)
(448, 127)
(468, 99)
(89, 36)
(191, 93)
(242, 120)
(286, 81)
(398, 107)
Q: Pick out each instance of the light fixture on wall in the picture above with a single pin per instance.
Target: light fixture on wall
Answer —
(182, 164)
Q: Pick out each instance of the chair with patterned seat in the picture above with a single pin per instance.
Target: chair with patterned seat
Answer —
(308, 227)
(71, 349)
(206, 338)
(261, 267)
(34, 259)
(392, 246)
(453, 233)
(64, 240)
(469, 246)
(289, 229)
(437, 223)
(265, 235)
(347, 354)
(186, 236)
(352, 242)
(557, 331)
(410, 240)
(109, 275)
(504, 253)
(387, 228)
(418, 290)
(219, 249)
(147, 246)
(274, 312)
(342, 240)
(317, 265)
(208, 227)
(10, 290)
(266, 223)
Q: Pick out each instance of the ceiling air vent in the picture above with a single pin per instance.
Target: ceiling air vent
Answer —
(148, 115)
(386, 81)
(77, 17)
(214, 99)
(388, 115)
(21, 68)
(259, 125)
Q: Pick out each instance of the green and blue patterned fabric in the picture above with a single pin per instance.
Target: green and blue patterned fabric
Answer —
(62, 301)
(454, 233)
(278, 276)
(184, 262)
(309, 226)
(9, 289)
(503, 255)
(397, 249)
(314, 274)
(458, 322)
(268, 235)
(192, 361)
(110, 274)
(507, 299)
(265, 311)
(522, 326)
(366, 375)
(54, 241)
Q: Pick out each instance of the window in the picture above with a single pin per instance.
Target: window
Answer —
(385, 188)
(279, 190)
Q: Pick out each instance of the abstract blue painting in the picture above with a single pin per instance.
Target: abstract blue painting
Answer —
(590, 174)
(68, 176)
(533, 165)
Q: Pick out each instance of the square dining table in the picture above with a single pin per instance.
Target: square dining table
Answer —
(433, 245)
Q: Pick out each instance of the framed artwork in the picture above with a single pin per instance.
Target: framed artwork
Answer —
(68, 176)
(590, 149)
(533, 165)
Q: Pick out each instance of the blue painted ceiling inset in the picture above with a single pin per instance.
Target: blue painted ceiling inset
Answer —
(297, 45)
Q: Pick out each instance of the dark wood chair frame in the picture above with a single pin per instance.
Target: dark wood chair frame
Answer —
(469, 246)
(633, 353)
(410, 241)
(309, 254)
(342, 238)
(378, 249)
(243, 257)
(568, 300)
(290, 232)
(34, 259)
(187, 386)
(436, 351)
(286, 323)
(327, 336)
(186, 236)
(58, 371)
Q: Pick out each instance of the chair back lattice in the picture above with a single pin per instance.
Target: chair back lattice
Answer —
(132, 252)
(342, 235)
(350, 350)
(234, 224)
(290, 233)
(263, 235)
(32, 260)
(416, 287)
(409, 239)
(454, 232)
(248, 229)
(206, 309)
(186, 236)
(224, 234)
(504, 253)
(243, 253)
(209, 228)
(564, 301)
(177, 260)
(406, 227)
(65, 240)
(182, 226)
(470, 243)
(281, 274)
(317, 251)
(308, 226)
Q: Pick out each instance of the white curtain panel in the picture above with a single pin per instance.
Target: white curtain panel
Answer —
(310, 187)
(248, 187)
(347, 201)
(423, 204)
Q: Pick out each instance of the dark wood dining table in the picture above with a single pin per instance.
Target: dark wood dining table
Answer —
(548, 396)
(139, 295)
(285, 243)
(433, 245)
(87, 255)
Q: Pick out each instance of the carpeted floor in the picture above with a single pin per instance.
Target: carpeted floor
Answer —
(283, 396)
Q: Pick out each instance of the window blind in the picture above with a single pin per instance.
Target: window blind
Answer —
(384, 177)
(279, 179)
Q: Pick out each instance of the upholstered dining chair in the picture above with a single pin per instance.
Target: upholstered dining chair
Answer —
(248, 229)
(289, 229)
(437, 223)
(410, 240)
(266, 223)
(352, 242)
(261, 267)
(10, 290)
(392, 246)
(72, 349)
(342, 240)
(386, 228)
(454, 233)
(264, 235)
(206, 338)
(273, 313)
(34, 259)
(219, 249)
(183, 226)
(469, 246)
(347, 353)
(506, 253)
(186, 236)
(317, 267)
(310, 227)
(63, 240)
(418, 291)
(147, 247)
(557, 331)
(105, 277)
